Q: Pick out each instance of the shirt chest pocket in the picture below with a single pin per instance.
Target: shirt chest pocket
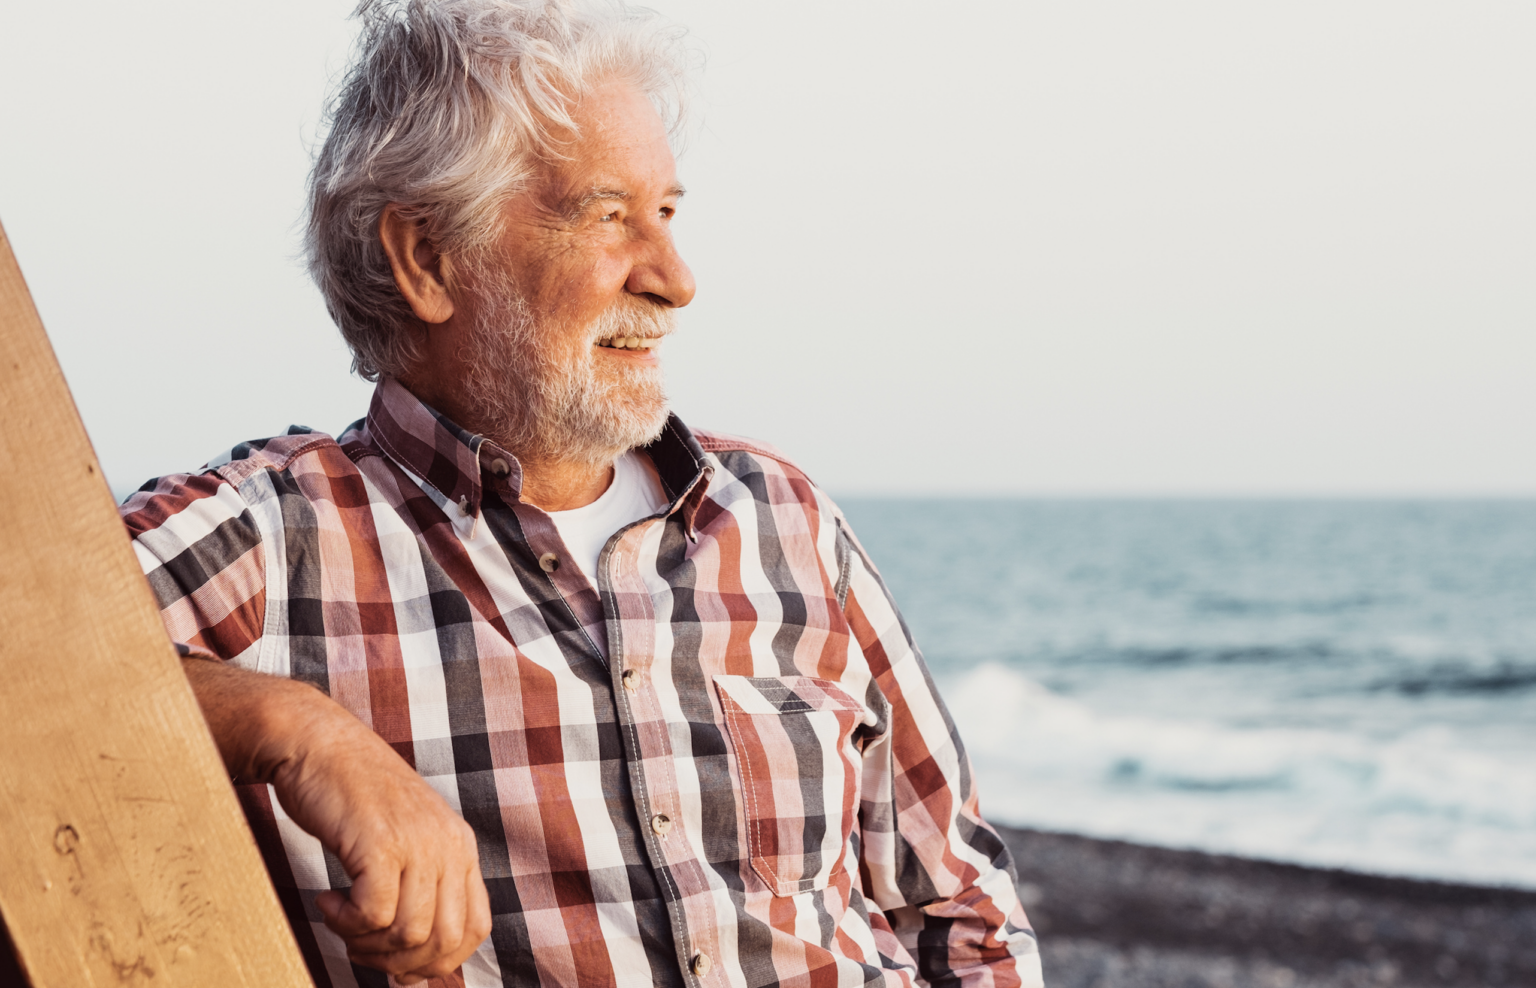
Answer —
(798, 774)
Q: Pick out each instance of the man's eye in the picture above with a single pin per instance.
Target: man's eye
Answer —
(608, 217)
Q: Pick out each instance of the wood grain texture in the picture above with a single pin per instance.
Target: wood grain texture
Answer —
(124, 858)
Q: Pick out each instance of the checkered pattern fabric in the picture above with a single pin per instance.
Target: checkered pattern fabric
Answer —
(759, 785)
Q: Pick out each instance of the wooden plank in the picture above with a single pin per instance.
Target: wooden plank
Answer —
(10, 969)
(124, 858)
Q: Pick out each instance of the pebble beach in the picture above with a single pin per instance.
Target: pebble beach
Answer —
(1112, 914)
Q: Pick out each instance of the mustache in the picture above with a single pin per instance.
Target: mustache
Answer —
(633, 316)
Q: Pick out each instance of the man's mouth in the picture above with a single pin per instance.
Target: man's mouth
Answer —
(630, 342)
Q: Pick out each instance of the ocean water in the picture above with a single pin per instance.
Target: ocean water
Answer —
(1338, 683)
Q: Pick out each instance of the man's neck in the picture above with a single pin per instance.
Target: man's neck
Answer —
(548, 482)
(561, 486)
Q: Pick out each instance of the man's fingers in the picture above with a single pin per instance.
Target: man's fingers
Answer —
(477, 926)
(451, 979)
(370, 906)
(329, 903)
(425, 940)
(448, 928)
(414, 921)
(477, 920)
(406, 979)
(463, 922)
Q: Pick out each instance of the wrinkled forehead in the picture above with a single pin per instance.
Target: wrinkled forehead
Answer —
(620, 149)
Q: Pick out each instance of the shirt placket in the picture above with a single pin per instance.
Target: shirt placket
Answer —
(647, 740)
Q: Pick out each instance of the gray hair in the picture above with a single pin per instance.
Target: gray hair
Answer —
(448, 110)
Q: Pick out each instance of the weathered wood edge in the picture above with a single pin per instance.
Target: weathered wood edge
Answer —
(124, 858)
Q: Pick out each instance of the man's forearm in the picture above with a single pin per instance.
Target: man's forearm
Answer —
(258, 721)
(342, 783)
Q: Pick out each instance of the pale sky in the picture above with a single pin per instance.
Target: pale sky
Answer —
(981, 247)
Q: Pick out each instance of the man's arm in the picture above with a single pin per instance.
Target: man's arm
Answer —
(942, 876)
(417, 906)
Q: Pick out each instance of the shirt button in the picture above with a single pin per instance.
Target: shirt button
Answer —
(702, 964)
(499, 467)
(549, 562)
(662, 824)
(464, 505)
(631, 680)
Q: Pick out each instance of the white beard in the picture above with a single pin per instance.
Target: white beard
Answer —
(544, 404)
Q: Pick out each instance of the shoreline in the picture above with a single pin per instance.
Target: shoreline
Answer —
(1112, 914)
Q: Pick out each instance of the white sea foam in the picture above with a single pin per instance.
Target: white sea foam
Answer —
(1420, 804)
(1342, 683)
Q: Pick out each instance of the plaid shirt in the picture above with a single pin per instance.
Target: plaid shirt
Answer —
(758, 786)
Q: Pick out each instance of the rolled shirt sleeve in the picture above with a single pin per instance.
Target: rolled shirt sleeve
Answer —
(201, 551)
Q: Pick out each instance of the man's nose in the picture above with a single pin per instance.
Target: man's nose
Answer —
(660, 272)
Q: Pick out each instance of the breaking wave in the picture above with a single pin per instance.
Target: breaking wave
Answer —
(1420, 804)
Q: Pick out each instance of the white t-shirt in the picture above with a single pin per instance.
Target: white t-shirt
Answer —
(635, 493)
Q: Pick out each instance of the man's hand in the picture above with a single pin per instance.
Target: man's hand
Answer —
(418, 906)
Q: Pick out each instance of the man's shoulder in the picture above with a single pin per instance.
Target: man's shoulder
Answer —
(740, 456)
(723, 442)
(224, 478)
(299, 447)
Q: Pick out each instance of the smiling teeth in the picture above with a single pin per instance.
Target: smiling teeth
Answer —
(630, 342)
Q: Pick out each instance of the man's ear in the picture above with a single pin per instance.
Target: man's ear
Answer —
(417, 265)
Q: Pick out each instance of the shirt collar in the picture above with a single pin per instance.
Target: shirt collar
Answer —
(684, 470)
(448, 459)
(427, 443)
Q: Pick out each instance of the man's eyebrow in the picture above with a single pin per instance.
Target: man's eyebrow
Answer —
(579, 206)
(575, 207)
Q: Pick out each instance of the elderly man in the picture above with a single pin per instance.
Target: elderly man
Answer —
(521, 680)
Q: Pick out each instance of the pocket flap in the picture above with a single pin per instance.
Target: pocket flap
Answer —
(795, 694)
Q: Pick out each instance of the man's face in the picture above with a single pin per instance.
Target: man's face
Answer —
(571, 302)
